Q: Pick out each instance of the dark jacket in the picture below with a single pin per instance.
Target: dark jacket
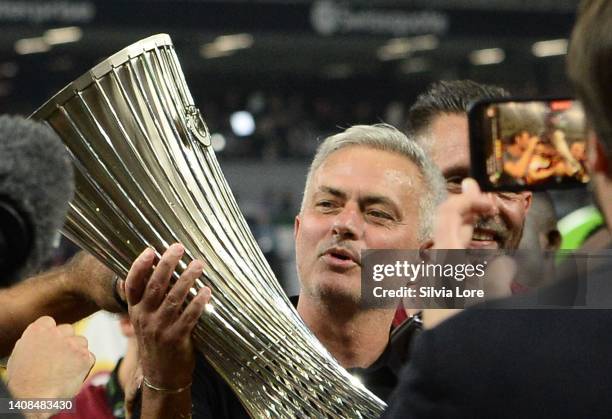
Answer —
(517, 363)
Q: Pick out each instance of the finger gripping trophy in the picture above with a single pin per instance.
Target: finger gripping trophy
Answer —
(146, 175)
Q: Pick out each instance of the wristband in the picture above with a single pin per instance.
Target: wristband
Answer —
(148, 384)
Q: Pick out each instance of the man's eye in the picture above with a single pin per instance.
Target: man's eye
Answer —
(453, 188)
(510, 196)
(453, 184)
(380, 214)
(455, 179)
(326, 204)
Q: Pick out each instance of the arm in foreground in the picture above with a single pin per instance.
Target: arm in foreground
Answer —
(163, 327)
(49, 361)
(453, 229)
(68, 293)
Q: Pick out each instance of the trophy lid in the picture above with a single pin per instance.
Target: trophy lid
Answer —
(99, 71)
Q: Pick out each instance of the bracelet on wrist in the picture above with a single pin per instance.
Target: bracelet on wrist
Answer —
(148, 384)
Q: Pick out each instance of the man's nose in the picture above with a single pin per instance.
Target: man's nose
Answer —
(496, 201)
(348, 224)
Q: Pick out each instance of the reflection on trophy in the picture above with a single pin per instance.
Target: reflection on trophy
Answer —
(146, 175)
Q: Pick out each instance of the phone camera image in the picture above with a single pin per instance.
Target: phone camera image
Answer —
(535, 144)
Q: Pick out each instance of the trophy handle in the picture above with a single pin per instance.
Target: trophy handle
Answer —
(196, 125)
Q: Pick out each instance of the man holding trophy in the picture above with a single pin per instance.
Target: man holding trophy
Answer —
(368, 187)
(146, 177)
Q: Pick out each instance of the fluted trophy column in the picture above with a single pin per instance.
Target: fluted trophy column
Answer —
(146, 175)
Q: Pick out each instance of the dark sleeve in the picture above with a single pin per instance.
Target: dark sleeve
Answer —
(211, 397)
(456, 369)
(419, 393)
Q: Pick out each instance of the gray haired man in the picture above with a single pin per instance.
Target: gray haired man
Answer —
(368, 187)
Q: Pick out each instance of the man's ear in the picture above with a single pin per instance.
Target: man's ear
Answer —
(552, 240)
(528, 196)
(296, 226)
(427, 244)
(597, 160)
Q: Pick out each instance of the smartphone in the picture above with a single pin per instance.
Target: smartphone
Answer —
(528, 144)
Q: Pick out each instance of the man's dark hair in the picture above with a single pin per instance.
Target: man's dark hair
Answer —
(589, 66)
(448, 97)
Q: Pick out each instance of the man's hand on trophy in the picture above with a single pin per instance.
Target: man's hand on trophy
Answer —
(161, 320)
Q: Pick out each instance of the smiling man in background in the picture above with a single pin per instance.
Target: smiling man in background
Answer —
(510, 363)
(438, 120)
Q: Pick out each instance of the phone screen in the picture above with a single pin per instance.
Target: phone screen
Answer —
(531, 143)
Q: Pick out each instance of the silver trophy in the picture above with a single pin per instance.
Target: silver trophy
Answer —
(146, 175)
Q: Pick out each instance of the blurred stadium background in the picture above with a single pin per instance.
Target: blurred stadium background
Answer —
(271, 77)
